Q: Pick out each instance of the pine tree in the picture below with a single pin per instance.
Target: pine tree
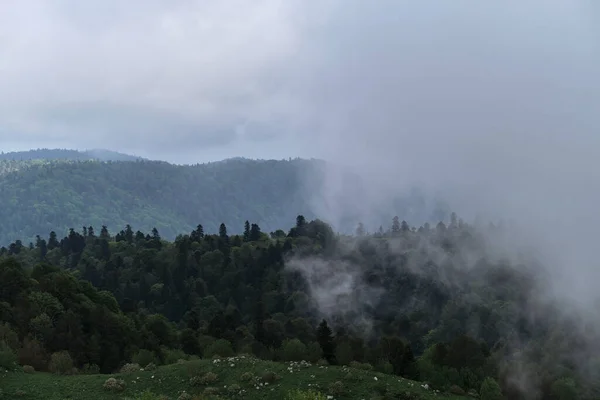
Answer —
(325, 339)
(395, 225)
(246, 231)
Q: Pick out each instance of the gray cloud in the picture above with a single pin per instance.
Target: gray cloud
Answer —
(495, 105)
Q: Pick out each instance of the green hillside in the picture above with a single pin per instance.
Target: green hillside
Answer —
(66, 154)
(68, 190)
(238, 377)
(40, 196)
(406, 302)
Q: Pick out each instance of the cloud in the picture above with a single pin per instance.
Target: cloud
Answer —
(492, 105)
(175, 74)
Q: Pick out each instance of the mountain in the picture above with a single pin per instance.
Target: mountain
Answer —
(68, 189)
(58, 195)
(65, 154)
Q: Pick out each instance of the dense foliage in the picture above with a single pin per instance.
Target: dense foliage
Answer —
(426, 304)
(40, 196)
(65, 154)
(44, 190)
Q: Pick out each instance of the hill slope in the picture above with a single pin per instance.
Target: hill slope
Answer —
(172, 380)
(68, 189)
(53, 195)
(65, 154)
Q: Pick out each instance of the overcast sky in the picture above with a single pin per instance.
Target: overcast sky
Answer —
(188, 80)
(495, 102)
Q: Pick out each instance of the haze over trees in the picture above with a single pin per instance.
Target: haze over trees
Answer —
(425, 303)
(54, 190)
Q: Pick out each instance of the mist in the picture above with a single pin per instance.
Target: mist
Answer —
(491, 107)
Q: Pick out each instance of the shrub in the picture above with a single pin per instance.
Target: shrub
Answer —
(362, 366)
(220, 348)
(294, 350)
(8, 358)
(114, 385)
(305, 395)
(206, 379)
(313, 352)
(150, 367)
(147, 395)
(455, 389)
(184, 396)
(130, 368)
(353, 377)
(490, 390)
(234, 389)
(385, 367)
(172, 356)
(211, 391)
(270, 377)
(337, 389)
(144, 357)
(322, 362)
(61, 363)
(90, 369)
(33, 353)
(247, 377)
(28, 369)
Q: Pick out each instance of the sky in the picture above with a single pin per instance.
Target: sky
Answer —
(496, 104)
(196, 80)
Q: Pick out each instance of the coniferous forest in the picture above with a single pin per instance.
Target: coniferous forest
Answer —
(427, 303)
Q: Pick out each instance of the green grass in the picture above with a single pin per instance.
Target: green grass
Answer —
(171, 380)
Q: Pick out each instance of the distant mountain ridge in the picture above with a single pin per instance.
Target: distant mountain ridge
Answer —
(67, 154)
(72, 189)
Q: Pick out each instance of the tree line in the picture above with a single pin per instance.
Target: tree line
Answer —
(95, 301)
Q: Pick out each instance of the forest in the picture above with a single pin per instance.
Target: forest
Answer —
(427, 303)
(55, 190)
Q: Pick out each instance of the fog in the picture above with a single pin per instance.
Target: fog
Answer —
(492, 107)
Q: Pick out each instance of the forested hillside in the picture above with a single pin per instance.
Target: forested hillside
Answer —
(66, 154)
(40, 195)
(426, 304)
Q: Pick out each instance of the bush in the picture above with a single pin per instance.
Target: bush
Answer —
(90, 369)
(337, 389)
(8, 358)
(362, 366)
(294, 350)
(211, 391)
(206, 379)
(33, 353)
(247, 377)
(61, 363)
(144, 357)
(147, 395)
(130, 368)
(221, 348)
(305, 395)
(172, 356)
(150, 367)
(385, 367)
(313, 352)
(490, 390)
(185, 396)
(270, 377)
(564, 389)
(28, 369)
(234, 389)
(455, 389)
(114, 385)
